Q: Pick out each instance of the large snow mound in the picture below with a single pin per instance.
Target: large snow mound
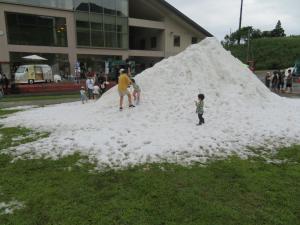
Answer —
(239, 112)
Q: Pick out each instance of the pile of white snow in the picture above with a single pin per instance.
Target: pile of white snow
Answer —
(239, 112)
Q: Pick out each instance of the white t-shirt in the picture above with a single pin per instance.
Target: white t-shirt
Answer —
(90, 84)
(96, 90)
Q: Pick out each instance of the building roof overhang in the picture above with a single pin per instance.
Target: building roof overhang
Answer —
(185, 18)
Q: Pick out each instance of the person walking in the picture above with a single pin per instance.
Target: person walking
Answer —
(268, 79)
(83, 97)
(281, 81)
(96, 91)
(275, 81)
(5, 83)
(90, 87)
(123, 83)
(289, 81)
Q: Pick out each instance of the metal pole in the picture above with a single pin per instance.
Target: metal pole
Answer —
(248, 48)
(241, 16)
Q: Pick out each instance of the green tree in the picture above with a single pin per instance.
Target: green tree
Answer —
(243, 34)
(278, 31)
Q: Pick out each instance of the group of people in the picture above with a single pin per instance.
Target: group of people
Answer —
(3, 84)
(124, 84)
(94, 88)
(279, 81)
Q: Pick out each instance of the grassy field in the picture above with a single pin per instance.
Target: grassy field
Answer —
(11, 98)
(69, 192)
(4, 113)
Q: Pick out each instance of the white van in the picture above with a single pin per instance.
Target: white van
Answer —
(33, 73)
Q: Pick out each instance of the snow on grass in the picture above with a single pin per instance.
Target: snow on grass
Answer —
(25, 107)
(239, 112)
(10, 207)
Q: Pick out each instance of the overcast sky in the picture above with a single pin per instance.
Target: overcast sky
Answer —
(219, 16)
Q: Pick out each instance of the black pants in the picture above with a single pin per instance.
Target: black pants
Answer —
(201, 119)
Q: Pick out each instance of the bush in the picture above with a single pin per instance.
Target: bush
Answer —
(270, 53)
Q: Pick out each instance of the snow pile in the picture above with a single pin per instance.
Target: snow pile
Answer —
(239, 111)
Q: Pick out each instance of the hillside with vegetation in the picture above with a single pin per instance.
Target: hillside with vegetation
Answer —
(269, 53)
(268, 49)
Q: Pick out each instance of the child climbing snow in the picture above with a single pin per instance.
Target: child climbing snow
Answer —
(83, 97)
(199, 109)
(136, 92)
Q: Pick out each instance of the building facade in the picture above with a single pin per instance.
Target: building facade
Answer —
(92, 32)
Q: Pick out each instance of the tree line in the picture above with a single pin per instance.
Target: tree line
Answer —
(246, 33)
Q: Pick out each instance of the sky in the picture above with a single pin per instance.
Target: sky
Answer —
(220, 16)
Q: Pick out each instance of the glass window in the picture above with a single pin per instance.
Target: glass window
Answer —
(21, 69)
(153, 42)
(111, 39)
(96, 21)
(122, 8)
(83, 29)
(83, 38)
(143, 44)
(100, 25)
(96, 6)
(81, 5)
(122, 25)
(97, 38)
(68, 4)
(122, 41)
(25, 29)
(109, 7)
(176, 41)
(110, 23)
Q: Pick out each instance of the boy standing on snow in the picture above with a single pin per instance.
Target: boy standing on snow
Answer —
(199, 109)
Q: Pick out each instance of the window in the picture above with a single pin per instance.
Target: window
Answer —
(26, 29)
(143, 44)
(81, 6)
(110, 23)
(96, 6)
(83, 29)
(97, 38)
(111, 39)
(98, 24)
(194, 40)
(176, 41)
(122, 8)
(109, 7)
(153, 42)
(68, 4)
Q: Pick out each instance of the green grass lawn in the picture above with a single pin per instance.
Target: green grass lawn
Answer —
(69, 192)
(40, 97)
(4, 113)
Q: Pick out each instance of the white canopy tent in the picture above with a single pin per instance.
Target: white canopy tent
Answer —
(34, 57)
